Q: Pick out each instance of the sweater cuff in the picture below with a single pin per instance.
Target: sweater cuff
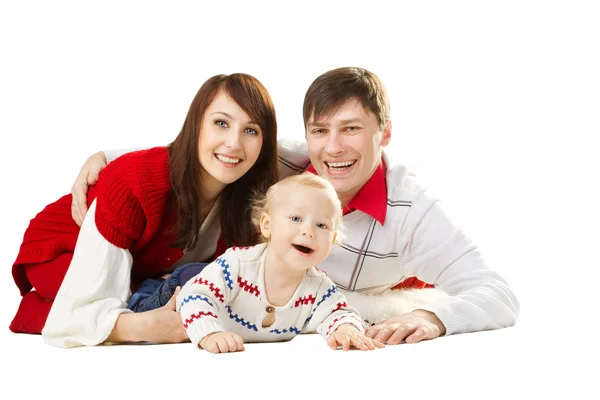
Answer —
(199, 329)
(451, 316)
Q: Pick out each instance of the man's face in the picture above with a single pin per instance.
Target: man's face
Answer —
(346, 147)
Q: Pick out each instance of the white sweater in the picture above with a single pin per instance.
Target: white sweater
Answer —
(229, 295)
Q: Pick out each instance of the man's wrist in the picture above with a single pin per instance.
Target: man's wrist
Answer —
(431, 317)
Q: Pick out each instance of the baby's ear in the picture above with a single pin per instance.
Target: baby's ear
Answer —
(334, 237)
(265, 225)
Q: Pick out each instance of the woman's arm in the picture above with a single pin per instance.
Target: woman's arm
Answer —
(93, 294)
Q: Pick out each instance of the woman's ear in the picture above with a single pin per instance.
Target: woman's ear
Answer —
(265, 225)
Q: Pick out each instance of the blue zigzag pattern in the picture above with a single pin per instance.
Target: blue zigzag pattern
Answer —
(194, 298)
(241, 320)
(282, 331)
(330, 291)
(226, 271)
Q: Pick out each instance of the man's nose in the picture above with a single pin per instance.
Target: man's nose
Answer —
(334, 145)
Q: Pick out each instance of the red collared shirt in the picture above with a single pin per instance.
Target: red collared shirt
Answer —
(371, 198)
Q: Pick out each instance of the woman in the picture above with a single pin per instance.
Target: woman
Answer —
(150, 211)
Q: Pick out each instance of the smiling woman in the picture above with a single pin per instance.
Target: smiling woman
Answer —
(149, 212)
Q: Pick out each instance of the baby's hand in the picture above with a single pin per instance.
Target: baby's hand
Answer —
(222, 342)
(347, 335)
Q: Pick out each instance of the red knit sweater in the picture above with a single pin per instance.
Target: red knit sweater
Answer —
(131, 212)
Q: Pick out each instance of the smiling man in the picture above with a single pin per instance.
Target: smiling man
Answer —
(397, 234)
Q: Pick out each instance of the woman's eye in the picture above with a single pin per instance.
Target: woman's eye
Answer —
(252, 131)
(222, 124)
(295, 218)
(322, 226)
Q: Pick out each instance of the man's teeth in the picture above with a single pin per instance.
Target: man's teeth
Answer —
(228, 160)
(340, 165)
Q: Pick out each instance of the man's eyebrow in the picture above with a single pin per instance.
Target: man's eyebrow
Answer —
(230, 117)
(350, 121)
(316, 124)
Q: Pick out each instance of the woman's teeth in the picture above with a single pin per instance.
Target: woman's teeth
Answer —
(227, 159)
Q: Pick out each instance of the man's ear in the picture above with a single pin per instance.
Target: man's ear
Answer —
(387, 133)
(265, 225)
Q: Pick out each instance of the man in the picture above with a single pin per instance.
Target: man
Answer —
(397, 233)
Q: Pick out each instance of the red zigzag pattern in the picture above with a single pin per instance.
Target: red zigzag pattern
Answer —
(212, 288)
(248, 287)
(196, 316)
(305, 300)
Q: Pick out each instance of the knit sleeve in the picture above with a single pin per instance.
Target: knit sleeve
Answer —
(93, 293)
(439, 252)
(120, 217)
(331, 310)
(203, 298)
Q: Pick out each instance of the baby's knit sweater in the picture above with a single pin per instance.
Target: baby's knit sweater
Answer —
(229, 295)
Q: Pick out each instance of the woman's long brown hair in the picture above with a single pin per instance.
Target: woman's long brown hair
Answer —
(235, 199)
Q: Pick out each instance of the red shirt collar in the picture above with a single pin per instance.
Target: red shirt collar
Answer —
(371, 198)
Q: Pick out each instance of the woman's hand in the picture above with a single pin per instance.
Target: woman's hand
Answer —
(162, 325)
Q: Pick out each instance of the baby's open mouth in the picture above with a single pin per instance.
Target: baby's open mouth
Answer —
(303, 249)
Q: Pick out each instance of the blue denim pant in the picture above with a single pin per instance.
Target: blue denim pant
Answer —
(154, 293)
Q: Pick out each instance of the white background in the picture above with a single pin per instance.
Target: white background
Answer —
(495, 105)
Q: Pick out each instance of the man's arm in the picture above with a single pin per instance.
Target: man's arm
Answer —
(440, 253)
(88, 176)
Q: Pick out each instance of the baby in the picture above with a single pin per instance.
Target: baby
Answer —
(272, 291)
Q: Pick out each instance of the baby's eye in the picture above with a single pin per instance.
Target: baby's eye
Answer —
(296, 218)
(221, 123)
(322, 226)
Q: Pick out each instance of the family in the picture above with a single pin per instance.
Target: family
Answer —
(227, 236)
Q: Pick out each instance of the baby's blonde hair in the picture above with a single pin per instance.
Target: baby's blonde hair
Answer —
(263, 204)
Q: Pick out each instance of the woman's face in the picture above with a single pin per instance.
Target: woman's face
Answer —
(229, 142)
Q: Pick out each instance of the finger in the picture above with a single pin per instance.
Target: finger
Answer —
(345, 342)
(172, 303)
(239, 341)
(93, 177)
(332, 342)
(401, 333)
(420, 334)
(384, 334)
(372, 331)
(368, 342)
(377, 343)
(222, 344)
(357, 342)
(231, 342)
(211, 345)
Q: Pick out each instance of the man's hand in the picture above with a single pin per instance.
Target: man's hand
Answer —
(412, 327)
(88, 175)
(222, 342)
(347, 335)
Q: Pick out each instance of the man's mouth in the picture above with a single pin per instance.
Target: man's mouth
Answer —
(339, 165)
(303, 249)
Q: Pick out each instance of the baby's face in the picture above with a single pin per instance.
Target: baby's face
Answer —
(302, 225)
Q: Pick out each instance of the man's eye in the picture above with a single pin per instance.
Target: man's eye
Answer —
(351, 128)
(318, 131)
(295, 218)
(322, 226)
(220, 123)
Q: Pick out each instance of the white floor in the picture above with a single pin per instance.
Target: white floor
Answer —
(490, 365)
